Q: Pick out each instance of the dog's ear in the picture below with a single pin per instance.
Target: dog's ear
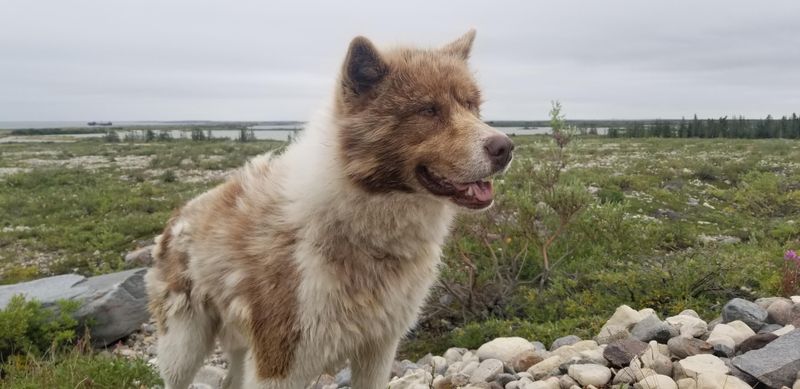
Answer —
(363, 68)
(461, 47)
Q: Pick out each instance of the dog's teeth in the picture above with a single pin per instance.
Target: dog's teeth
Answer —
(470, 191)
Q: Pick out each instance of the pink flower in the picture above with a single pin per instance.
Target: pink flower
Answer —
(791, 255)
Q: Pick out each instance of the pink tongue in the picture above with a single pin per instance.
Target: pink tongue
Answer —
(482, 190)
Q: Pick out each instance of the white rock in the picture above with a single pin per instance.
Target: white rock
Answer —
(420, 379)
(550, 383)
(504, 349)
(470, 357)
(718, 338)
(657, 381)
(695, 365)
(738, 335)
(454, 354)
(546, 368)
(590, 374)
(454, 368)
(720, 381)
(795, 299)
(688, 325)
(439, 364)
(796, 384)
(687, 383)
(469, 368)
(625, 317)
(573, 350)
(486, 371)
(654, 359)
(785, 330)
(743, 328)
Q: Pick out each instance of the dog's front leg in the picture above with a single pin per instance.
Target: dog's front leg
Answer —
(373, 364)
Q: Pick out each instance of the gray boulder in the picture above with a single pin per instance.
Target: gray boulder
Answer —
(564, 341)
(651, 328)
(114, 305)
(776, 364)
(750, 313)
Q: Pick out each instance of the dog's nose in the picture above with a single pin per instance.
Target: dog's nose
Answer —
(499, 148)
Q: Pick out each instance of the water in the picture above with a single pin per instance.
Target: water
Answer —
(7, 125)
(281, 132)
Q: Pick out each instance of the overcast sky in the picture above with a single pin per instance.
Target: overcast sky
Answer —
(256, 60)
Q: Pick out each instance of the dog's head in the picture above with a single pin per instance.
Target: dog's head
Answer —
(410, 122)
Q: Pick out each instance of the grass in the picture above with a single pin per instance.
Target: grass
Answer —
(653, 235)
(77, 370)
(80, 206)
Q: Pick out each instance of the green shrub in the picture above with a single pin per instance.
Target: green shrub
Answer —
(28, 327)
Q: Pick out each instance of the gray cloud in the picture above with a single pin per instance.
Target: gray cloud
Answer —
(255, 60)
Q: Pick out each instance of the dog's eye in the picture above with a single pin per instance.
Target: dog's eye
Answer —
(429, 110)
(471, 106)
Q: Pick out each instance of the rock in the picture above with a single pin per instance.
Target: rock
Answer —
(632, 375)
(575, 350)
(621, 352)
(689, 312)
(550, 383)
(525, 360)
(738, 373)
(687, 383)
(419, 379)
(750, 313)
(723, 351)
(469, 368)
(657, 381)
(720, 381)
(722, 341)
(732, 330)
(695, 365)
(566, 382)
(459, 379)
(610, 333)
(504, 349)
(785, 330)
(650, 328)
(211, 376)
(454, 354)
(776, 364)
(115, 304)
(343, 377)
(470, 357)
(399, 369)
(596, 375)
(769, 328)
(140, 257)
(438, 364)
(688, 325)
(780, 312)
(682, 347)
(487, 371)
(756, 342)
(546, 368)
(504, 378)
(564, 341)
(624, 317)
(654, 359)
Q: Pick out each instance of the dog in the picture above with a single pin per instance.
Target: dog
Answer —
(325, 253)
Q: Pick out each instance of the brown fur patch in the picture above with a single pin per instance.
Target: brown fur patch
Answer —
(271, 293)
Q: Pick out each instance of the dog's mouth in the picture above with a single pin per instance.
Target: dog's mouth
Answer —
(473, 195)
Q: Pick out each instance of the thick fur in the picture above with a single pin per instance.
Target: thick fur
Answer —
(325, 253)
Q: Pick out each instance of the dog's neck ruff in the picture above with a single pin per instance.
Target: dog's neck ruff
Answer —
(320, 193)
